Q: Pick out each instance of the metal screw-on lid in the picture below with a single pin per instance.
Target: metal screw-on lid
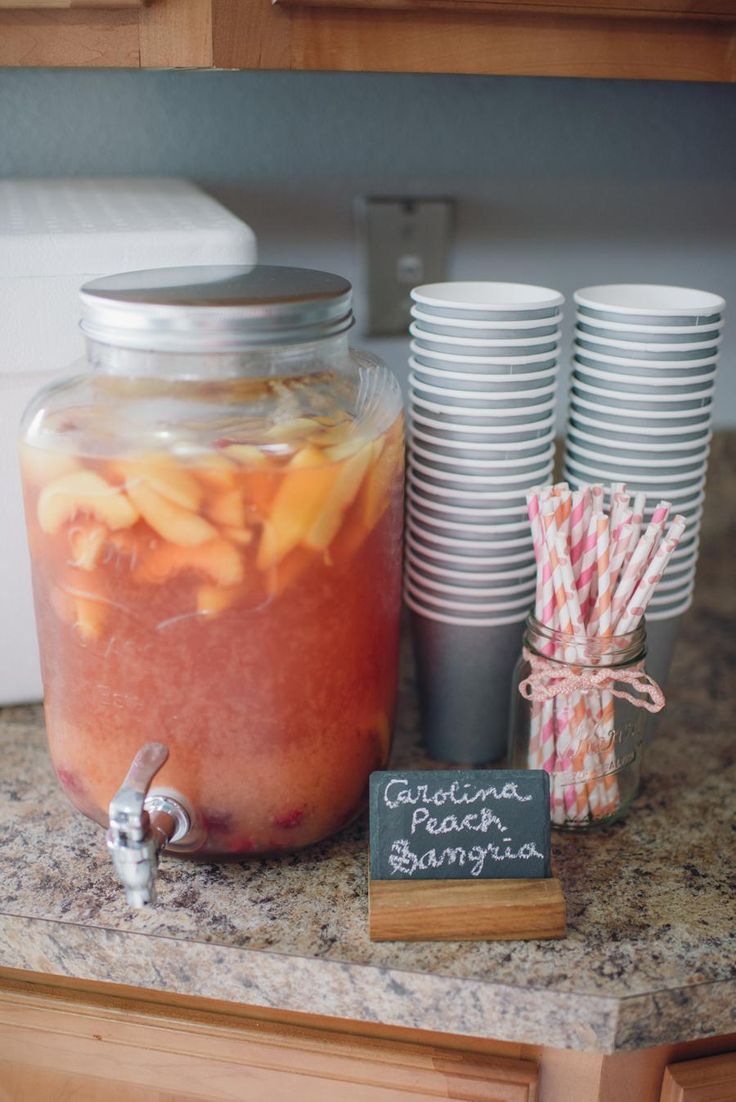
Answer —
(215, 308)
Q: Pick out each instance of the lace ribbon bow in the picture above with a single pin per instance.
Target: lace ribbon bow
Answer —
(547, 680)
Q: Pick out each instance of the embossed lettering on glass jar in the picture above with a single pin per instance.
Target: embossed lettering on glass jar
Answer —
(579, 711)
(214, 505)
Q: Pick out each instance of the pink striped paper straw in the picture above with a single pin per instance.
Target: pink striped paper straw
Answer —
(619, 507)
(599, 622)
(577, 527)
(635, 568)
(641, 596)
(620, 544)
(637, 520)
(587, 562)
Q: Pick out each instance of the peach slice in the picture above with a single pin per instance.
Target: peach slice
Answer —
(87, 543)
(283, 432)
(91, 617)
(305, 486)
(227, 508)
(377, 490)
(217, 560)
(213, 599)
(164, 475)
(87, 493)
(216, 470)
(178, 525)
(241, 536)
(40, 465)
(247, 455)
(342, 495)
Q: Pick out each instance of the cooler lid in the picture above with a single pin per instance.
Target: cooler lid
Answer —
(88, 227)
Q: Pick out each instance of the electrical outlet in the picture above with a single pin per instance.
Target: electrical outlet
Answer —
(402, 242)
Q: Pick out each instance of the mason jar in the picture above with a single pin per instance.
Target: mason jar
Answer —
(214, 509)
(579, 711)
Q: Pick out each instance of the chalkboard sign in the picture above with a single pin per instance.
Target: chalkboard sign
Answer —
(460, 824)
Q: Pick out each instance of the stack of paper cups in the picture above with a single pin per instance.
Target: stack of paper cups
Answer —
(483, 379)
(641, 400)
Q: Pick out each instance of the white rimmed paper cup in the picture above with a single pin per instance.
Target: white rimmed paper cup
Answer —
(470, 415)
(651, 445)
(683, 384)
(509, 519)
(662, 431)
(457, 361)
(519, 483)
(656, 350)
(448, 604)
(513, 500)
(485, 449)
(467, 576)
(650, 302)
(623, 330)
(499, 554)
(481, 399)
(479, 463)
(641, 462)
(496, 432)
(491, 297)
(593, 357)
(633, 407)
(459, 381)
(529, 345)
(425, 582)
(502, 565)
(423, 522)
(684, 419)
(579, 472)
(453, 326)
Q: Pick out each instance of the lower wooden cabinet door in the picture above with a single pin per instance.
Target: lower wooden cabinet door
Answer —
(63, 1049)
(712, 1079)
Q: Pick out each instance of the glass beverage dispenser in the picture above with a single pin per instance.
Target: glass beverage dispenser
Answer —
(214, 507)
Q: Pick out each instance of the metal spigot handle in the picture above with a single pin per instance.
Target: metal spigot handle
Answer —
(136, 838)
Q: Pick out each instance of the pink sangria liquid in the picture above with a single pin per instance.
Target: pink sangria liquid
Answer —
(240, 605)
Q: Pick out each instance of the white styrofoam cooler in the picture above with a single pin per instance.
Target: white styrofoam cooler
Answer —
(54, 236)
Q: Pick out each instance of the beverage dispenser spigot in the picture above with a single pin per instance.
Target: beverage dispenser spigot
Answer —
(141, 826)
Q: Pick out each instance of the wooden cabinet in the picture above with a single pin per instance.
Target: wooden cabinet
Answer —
(62, 1039)
(711, 1079)
(657, 39)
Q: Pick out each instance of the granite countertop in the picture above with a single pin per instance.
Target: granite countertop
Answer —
(650, 955)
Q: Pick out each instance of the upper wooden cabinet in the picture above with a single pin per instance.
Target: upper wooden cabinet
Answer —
(637, 39)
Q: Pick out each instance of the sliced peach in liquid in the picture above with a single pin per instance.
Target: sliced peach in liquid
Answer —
(216, 560)
(166, 477)
(227, 508)
(216, 470)
(247, 455)
(304, 488)
(87, 544)
(351, 474)
(178, 525)
(83, 493)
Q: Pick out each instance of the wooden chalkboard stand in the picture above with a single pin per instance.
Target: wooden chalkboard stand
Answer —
(466, 910)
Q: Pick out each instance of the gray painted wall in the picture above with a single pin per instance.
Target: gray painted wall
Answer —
(560, 182)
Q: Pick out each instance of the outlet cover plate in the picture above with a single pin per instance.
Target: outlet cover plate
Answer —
(402, 242)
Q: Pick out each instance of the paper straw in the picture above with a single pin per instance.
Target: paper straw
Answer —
(641, 596)
(599, 622)
(618, 552)
(587, 562)
(619, 506)
(634, 569)
(577, 527)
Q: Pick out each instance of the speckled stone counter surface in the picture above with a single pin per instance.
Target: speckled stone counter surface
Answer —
(650, 955)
